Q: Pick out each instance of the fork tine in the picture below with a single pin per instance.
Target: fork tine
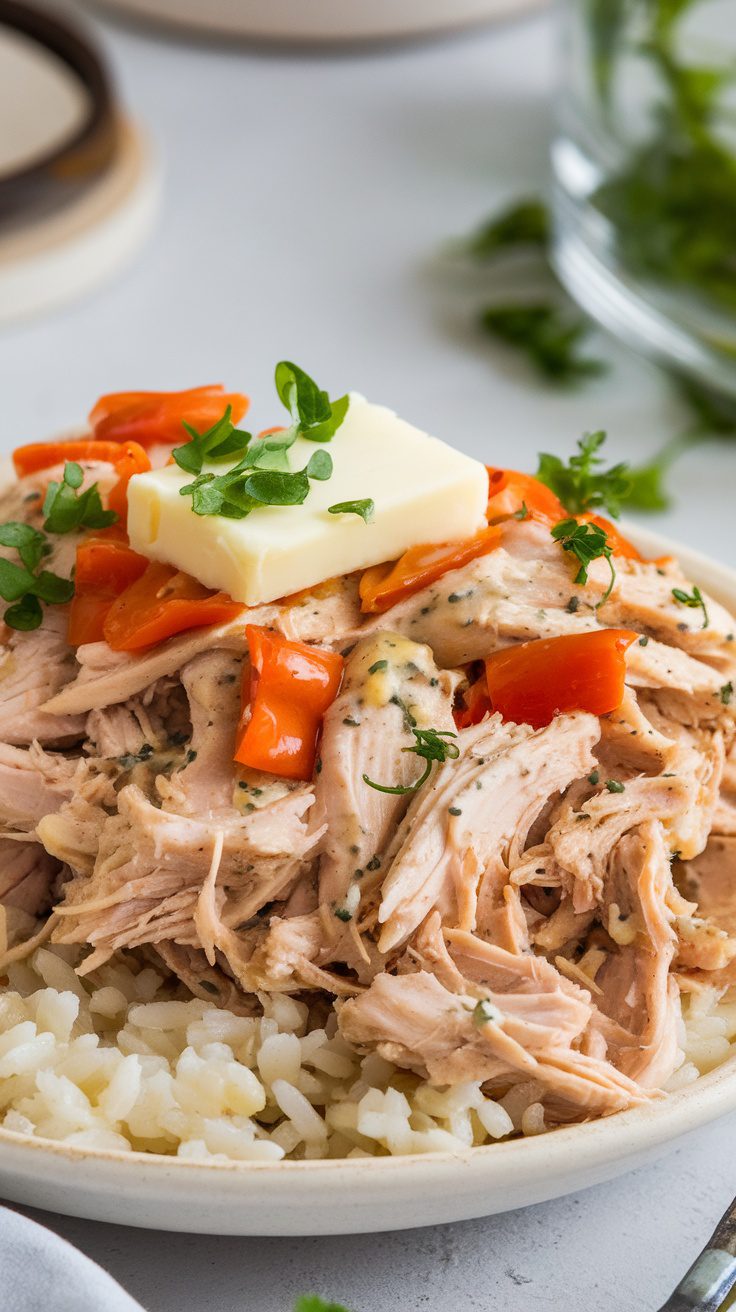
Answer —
(712, 1274)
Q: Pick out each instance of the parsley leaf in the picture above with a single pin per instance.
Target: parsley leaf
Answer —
(66, 510)
(551, 338)
(693, 599)
(365, 508)
(526, 223)
(431, 747)
(586, 542)
(646, 486)
(579, 484)
(219, 442)
(713, 412)
(313, 414)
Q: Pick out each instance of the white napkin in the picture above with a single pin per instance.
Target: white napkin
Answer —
(39, 1272)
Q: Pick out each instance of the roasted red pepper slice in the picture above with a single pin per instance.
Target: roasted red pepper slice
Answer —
(285, 695)
(161, 603)
(157, 417)
(533, 682)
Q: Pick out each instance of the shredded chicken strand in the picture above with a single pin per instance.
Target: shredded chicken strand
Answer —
(527, 918)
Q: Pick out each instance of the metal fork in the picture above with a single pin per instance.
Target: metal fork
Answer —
(712, 1274)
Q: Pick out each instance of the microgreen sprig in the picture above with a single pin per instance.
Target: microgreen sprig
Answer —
(249, 485)
(22, 585)
(66, 509)
(693, 599)
(218, 443)
(365, 509)
(314, 415)
(586, 542)
(30, 543)
(579, 484)
(262, 476)
(430, 745)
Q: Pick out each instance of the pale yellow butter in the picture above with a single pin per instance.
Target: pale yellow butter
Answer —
(424, 491)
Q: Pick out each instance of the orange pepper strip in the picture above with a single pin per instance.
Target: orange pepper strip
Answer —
(104, 569)
(382, 586)
(287, 691)
(533, 682)
(131, 460)
(157, 417)
(159, 604)
(508, 491)
(42, 455)
(476, 703)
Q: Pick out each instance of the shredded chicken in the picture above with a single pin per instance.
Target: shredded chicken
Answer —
(502, 911)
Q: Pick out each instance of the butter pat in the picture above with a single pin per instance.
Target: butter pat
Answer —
(424, 491)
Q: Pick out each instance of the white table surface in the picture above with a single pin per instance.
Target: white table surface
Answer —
(306, 196)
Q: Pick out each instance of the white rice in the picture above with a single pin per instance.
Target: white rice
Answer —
(120, 1061)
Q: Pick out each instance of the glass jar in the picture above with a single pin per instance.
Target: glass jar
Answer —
(644, 169)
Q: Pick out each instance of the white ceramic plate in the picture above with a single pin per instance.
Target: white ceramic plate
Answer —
(369, 1194)
(324, 21)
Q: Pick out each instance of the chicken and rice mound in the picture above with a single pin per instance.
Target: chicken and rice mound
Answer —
(205, 957)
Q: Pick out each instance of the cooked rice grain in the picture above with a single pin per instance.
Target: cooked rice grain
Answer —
(118, 1062)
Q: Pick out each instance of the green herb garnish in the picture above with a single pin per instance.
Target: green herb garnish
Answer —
(319, 466)
(30, 544)
(615, 786)
(130, 759)
(586, 542)
(525, 223)
(726, 693)
(580, 484)
(671, 201)
(431, 747)
(24, 586)
(262, 475)
(313, 414)
(365, 508)
(244, 488)
(66, 509)
(313, 1303)
(549, 336)
(219, 442)
(484, 1011)
(692, 599)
